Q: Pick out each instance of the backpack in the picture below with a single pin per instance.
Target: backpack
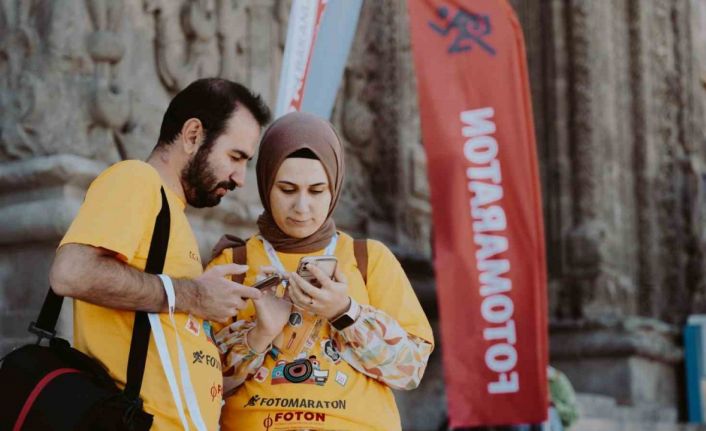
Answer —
(59, 388)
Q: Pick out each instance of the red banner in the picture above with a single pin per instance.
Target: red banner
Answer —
(478, 133)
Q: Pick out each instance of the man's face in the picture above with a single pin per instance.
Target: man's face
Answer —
(220, 165)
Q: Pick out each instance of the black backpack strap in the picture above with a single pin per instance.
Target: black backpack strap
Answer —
(360, 250)
(45, 326)
(240, 256)
(141, 327)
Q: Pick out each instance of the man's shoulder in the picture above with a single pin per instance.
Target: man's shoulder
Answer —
(133, 174)
(132, 169)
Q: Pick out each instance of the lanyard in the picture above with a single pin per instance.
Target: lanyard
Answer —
(163, 350)
(313, 332)
(274, 259)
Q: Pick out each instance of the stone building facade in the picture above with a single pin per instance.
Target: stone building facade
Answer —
(619, 95)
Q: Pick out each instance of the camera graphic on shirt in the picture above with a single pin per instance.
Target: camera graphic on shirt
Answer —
(307, 371)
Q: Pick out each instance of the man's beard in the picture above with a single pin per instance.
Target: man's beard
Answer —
(199, 181)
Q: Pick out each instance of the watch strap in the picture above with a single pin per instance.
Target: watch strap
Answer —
(348, 318)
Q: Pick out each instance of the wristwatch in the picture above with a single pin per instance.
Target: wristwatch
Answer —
(348, 318)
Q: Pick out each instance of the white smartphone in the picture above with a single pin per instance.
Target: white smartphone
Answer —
(327, 264)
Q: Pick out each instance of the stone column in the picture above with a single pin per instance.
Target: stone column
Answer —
(618, 105)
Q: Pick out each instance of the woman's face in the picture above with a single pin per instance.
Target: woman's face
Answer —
(300, 197)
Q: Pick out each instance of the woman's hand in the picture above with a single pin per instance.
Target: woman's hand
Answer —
(272, 314)
(329, 301)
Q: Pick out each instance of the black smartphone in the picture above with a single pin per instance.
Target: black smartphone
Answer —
(272, 280)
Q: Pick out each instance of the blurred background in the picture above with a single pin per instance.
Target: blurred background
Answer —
(619, 98)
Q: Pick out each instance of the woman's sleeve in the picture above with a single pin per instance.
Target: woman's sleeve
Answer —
(377, 346)
(239, 361)
(391, 339)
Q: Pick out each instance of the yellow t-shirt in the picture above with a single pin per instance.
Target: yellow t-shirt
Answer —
(118, 214)
(335, 396)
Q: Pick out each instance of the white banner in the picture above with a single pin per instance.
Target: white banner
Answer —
(304, 20)
(328, 60)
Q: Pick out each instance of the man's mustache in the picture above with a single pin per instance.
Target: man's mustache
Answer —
(228, 185)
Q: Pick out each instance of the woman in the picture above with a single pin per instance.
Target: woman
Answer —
(322, 357)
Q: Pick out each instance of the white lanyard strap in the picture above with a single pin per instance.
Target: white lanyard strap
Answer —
(161, 343)
(274, 259)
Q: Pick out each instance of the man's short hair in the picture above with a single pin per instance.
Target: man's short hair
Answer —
(213, 101)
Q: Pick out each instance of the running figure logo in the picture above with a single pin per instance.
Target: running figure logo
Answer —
(251, 402)
(470, 28)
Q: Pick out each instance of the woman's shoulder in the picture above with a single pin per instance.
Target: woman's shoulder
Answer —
(223, 251)
(376, 249)
(222, 258)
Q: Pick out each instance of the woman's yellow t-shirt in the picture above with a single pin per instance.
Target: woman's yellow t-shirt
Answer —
(118, 214)
(335, 396)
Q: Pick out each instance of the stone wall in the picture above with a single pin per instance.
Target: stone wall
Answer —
(619, 96)
(619, 106)
(618, 92)
(84, 83)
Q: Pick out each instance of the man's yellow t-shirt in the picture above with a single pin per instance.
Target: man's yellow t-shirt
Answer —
(119, 214)
(335, 396)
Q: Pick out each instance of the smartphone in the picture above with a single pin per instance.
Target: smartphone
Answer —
(325, 263)
(272, 280)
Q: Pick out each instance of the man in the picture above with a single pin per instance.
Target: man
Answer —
(209, 133)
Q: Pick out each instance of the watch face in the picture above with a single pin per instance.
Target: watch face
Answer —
(343, 322)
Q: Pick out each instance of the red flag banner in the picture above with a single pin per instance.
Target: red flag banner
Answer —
(477, 128)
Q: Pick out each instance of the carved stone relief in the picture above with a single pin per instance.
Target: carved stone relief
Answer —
(378, 117)
(619, 121)
(354, 115)
(187, 47)
(623, 160)
(39, 40)
(369, 116)
(620, 174)
(85, 83)
(110, 100)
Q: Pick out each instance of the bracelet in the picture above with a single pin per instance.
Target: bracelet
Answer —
(250, 349)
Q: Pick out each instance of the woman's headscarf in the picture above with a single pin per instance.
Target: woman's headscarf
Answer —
(290, 133)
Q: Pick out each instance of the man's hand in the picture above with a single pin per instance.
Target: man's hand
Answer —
(218, 298)
(98, 276)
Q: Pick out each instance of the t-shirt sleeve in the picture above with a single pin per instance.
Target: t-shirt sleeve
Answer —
(119, 210)
(389, 290)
